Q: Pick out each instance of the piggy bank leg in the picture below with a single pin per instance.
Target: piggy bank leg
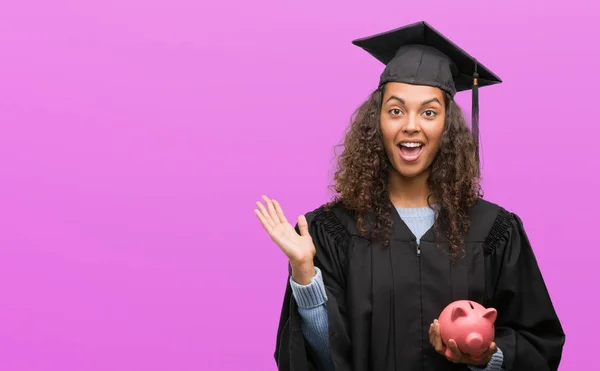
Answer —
(476, 357)
(448, 353)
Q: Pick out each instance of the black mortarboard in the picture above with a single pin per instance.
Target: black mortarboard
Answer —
(418, 54)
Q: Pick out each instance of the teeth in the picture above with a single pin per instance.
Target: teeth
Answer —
(411, 145)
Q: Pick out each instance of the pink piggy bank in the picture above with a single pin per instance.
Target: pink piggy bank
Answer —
(470, 325)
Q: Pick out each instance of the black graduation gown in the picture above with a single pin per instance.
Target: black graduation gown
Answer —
(383, 299)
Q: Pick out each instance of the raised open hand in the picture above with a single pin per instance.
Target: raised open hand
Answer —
(299, 248)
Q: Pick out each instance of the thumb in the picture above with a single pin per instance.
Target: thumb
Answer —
(303, 225)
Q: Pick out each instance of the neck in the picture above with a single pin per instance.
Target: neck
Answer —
(408, 192)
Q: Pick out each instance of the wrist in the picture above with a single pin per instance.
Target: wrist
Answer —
(303, 272)
(483, 363)
(494, 362)
(303, 264)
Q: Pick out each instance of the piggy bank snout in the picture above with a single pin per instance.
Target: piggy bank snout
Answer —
(474, 340)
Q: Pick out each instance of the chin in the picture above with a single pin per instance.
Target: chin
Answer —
(409, 173)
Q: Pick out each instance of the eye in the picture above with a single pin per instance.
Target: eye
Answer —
(395, 112)
(430, 113)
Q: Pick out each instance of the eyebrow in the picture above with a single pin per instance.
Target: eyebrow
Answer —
(432, 100)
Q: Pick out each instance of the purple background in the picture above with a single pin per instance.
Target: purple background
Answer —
(137, 135)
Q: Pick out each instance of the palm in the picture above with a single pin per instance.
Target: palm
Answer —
(293, 245)
(297, 247)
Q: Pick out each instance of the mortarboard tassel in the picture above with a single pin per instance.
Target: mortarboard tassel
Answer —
(475, 112)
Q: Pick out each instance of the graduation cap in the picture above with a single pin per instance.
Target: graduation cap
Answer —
(420, 55)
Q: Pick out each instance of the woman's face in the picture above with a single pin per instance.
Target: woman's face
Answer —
(412, 122)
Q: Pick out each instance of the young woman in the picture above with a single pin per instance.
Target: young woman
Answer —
(408, 233)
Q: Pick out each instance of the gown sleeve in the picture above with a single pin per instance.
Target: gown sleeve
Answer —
(527, 327)
(292, 353)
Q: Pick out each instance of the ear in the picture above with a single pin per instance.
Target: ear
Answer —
(490, 314)
(458, 312)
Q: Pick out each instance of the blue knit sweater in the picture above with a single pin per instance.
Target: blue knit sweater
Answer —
(312, 299)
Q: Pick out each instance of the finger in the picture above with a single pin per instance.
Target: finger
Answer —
(456, 354)
(491, 350)
(432, 339)
(431, 335)
(263, 221)
(265, 214)
(438, 336)
(271, 210)
(303, 225)
(279, 212)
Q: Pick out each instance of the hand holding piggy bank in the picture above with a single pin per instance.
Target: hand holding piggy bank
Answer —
(470, 325)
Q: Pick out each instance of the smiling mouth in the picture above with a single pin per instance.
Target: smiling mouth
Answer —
(410, 151)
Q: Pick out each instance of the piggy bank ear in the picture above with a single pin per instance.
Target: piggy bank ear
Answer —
(490, 314)
(458, 312)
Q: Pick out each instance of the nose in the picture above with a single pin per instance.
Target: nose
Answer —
(411, 125)
(474, 340)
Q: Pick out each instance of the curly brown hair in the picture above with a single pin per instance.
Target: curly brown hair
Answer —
(361, 178)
